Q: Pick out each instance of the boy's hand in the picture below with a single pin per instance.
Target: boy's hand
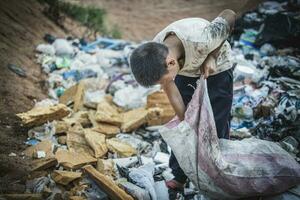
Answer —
(208, 66)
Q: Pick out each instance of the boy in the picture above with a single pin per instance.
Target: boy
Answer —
(177, 57)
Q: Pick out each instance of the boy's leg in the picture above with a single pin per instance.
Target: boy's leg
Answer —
(220, 91)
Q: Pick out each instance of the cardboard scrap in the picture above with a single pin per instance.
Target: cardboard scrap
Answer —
(108, 129)
(40, 115)
(123, 149)
(76, 141)
(45, 146)
(165, 112)
(97, 142)
(106, 167)
(108, 186)
(65, 177)
(108, 114)
(61, 127)
(73, 160)
(133, 119)
(43, 163)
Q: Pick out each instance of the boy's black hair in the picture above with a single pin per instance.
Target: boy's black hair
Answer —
(148, 63)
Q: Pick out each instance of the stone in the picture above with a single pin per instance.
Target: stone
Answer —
(44, 146)
(133, 119)
(68, 96)
(97, 142)
(43, 163)
(61, 127)
(106, 167)
(122, 149)
(78, 97)
(62, 139)
(106, 184)
(81, 117)
(165, 112)
(40, 115)
(65, 177)
(73, 160)
(108, 129)
(108, 114)
(76, 141)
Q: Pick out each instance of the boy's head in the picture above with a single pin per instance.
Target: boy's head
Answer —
(148, 63)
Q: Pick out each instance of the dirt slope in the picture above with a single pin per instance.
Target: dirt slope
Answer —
(142, 19)
(22, 27)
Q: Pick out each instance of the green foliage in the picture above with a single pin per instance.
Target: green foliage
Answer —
(91, 17)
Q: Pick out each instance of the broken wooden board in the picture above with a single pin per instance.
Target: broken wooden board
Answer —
(76, 141)
(122, 149)
(40, 115)
(96, 141)
(45, 146)
(133, 119)
(73, 160)
(61, 127)
(108, 129)
(43, 163)
(108, 186)
(65, 177)
(108, 114)
(165, 112)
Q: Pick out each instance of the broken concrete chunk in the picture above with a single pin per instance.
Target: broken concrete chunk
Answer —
(108, 114)
(61, 127)
(40, 115)
(106, 167)
(122, 149)
(133, 119)
(108, 129)
(165, 112)
(73, 160)
(109, 187)
(68, 95)
(43, 163)
(44, 146)
(65, 177)
(76, 141)
(97, 142)
(62, 139)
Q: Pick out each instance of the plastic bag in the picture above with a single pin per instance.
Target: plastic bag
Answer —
(223, 168)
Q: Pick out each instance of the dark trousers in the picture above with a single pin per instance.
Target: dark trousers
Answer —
(220, 91)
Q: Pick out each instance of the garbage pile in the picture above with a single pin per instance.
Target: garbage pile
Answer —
(97, 135)
(266, 77)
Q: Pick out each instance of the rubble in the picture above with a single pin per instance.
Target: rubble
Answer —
(108, 114)
(122, 149)
(40, 115)
(73, 160)
(133, 119)
(44, 146)
(97, 142)
(112, 190)
(65, 177)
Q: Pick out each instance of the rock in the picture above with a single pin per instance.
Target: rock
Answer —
(78, 98)
(61, 127)
(133, 119)
(76, 141)
(81, 117)
(43, 163)
(165, 112)
(109, 187)
(97, 142)
(44, 146)
(65, 177)
(40, 115)
(108, 114)
(68, 96)
(108, 129)
(122, 149)
(73, 160)
(62, 139)
(106, 167)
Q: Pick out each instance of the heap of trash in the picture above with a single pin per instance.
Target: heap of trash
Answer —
(97, 135)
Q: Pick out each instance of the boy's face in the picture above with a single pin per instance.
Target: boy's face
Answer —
(172, 69)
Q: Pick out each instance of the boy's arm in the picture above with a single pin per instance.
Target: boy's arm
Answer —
(175, 98)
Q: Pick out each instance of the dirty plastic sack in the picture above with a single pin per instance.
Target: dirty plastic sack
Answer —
(225, 168)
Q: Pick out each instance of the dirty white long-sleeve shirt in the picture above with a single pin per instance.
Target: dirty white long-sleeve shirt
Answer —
(200, 37)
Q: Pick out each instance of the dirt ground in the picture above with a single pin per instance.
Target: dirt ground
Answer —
(22, 27)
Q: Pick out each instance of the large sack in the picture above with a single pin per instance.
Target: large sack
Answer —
(226, 169)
